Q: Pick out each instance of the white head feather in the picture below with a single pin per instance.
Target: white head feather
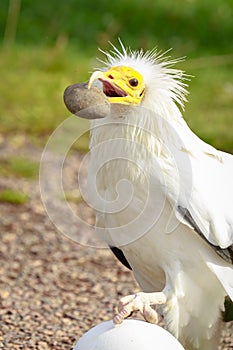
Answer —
(161, 81)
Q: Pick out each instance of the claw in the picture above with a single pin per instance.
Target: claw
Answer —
(140, 302)
(150, 314)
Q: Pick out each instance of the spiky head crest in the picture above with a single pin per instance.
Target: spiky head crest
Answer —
(156, 68)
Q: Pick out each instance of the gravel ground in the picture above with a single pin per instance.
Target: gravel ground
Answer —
(53, 289)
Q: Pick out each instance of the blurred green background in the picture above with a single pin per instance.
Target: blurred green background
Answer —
(47, 45)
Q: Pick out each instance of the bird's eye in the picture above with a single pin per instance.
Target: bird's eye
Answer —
(133, 82)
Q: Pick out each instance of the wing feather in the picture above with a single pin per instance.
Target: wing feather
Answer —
(226, 254)
(202, 193)
(211, 202)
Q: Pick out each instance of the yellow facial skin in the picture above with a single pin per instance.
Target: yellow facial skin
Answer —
(121, 84)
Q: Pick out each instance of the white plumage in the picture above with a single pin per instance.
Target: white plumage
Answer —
(165, 198)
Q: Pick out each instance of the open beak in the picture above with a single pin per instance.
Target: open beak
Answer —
(109, 88)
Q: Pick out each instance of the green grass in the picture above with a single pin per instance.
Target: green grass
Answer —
(188, 26)
(13, 197)
(32, 93)
(209, 110)
(19, 167)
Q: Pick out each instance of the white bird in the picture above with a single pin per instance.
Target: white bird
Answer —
(163, 198)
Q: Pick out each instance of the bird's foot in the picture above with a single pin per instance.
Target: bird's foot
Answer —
(140, 302)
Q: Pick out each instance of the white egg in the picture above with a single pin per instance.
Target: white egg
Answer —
(130, 335)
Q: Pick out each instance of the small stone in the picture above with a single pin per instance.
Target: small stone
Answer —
(4, 294)
(86, 103)
(42, 345)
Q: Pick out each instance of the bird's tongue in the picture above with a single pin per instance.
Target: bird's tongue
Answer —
(112, 90)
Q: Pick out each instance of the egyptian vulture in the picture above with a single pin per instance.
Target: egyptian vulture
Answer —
(163, 198)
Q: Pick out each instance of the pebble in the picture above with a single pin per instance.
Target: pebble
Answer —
(86, 103)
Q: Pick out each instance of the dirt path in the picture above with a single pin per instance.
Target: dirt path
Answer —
(53, 289)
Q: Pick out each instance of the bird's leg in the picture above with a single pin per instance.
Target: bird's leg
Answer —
(140, 302)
